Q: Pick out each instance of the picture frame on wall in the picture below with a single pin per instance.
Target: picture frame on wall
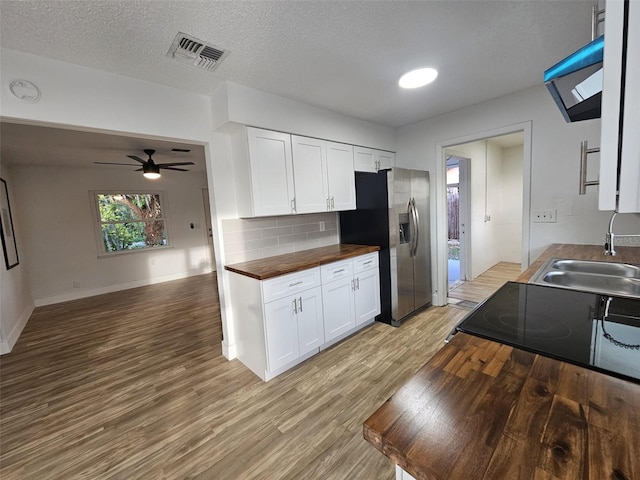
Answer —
(9, 244)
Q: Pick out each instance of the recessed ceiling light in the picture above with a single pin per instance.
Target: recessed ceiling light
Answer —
(418, 77)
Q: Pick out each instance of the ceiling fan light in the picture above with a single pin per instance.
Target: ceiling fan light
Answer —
(151, 170)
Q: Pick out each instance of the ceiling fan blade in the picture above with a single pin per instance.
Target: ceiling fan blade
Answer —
(111, 163)
(174, 164)
(139, 170)
(172, 168)
(137, 159)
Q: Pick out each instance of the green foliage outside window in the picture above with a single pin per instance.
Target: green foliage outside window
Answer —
(131, 221)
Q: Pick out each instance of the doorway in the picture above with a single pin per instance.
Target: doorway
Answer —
(209, 227)
(457, 170)
(495, 228)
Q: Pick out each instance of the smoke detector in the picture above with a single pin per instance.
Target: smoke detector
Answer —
(188, 49)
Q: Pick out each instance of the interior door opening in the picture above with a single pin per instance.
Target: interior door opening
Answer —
(484, 201)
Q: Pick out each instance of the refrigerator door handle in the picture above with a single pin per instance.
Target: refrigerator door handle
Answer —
(417, 227)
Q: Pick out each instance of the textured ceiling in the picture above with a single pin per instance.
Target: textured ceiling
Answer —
(344, 56)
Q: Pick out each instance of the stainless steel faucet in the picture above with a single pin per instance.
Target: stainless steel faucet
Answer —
(609, 247)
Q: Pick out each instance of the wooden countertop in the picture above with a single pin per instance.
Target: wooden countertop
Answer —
(482, 410)
(581, 252)
(270, 267)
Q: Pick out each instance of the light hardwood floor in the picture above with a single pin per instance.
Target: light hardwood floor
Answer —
(486, 283)
(133, 385)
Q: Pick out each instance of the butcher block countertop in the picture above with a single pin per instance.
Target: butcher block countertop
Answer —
(483, 410)
(270, 267)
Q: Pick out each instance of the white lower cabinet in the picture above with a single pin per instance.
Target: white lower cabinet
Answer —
(354, 298)
(293, 326)
(282, 321)
(402, 475)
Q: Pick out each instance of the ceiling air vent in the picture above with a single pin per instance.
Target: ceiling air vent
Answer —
(188, 49)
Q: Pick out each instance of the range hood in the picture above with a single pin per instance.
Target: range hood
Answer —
(575, 83)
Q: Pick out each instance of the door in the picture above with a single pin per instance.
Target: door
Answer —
(367, 295)
(208, 227)
(309, 174)
(422, 248)
(282, 332)
(310, 320)
(341, 176)
(386, 160)
(271, 164)
(337, 303)
(400, 194)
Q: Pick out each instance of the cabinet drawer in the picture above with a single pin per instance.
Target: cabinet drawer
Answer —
(336, 270)
(279, 287)
(365, 262)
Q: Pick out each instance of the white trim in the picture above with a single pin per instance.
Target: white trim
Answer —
(7, 345)
(39, 302)
(439, 248)
(230, 352)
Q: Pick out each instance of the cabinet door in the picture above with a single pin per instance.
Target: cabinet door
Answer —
(310, 324)
(386, 160)
(337, 305)
(309, 174)
(363, 159)
(282, 332)
(620, 121)
(367, 295)
(271, 167)
(341, 176)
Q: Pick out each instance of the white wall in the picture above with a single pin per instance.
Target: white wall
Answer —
(59, 231)
(16, 302)
(509, 220)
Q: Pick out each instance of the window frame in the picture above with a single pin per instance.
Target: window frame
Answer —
(97, 221)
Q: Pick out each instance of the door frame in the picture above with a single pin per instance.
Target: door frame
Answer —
(439, 247)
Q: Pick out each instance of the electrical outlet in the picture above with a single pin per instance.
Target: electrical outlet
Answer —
(76, 284)
(544, 216)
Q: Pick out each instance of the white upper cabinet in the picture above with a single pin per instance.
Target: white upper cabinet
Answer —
(323, 175)
(279, 174)
(620, 141)
(264, 173)
(310, 178)
(372, 160)
(341, 176)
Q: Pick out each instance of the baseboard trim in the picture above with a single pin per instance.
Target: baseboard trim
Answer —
(40, 302)
(7, 345)
(229, 351)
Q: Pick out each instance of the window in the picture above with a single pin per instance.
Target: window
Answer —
(130, 221)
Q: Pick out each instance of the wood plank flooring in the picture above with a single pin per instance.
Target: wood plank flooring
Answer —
(132, 385)
(486, 283)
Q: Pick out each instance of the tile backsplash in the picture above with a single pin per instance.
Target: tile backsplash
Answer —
(253, 238)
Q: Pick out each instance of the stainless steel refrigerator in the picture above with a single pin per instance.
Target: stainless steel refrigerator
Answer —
(393, 213)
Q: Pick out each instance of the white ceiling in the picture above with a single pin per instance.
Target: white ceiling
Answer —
(345, 56)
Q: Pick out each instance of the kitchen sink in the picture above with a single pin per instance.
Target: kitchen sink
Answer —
(608, 278)
(603, 268)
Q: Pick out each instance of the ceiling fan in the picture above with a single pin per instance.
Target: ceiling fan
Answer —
(149, 168)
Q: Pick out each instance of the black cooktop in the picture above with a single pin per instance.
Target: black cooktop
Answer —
(600, 332)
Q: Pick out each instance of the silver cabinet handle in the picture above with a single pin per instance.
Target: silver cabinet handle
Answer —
(293, 205)
(296, 283)
(357, 283)
(353, 285)
(338, 271)
(300, 304)
(332, 206)
(295, 306)
(328, 204)
(367, 263)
